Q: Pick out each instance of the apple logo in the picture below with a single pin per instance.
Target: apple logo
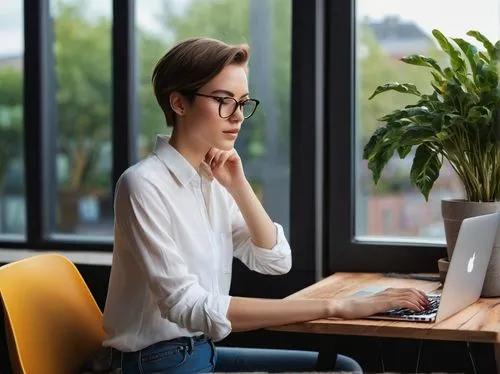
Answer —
(470, 264)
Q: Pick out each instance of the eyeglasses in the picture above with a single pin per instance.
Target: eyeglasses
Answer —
(228, 105)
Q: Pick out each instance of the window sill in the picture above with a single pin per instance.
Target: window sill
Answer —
(77, 257)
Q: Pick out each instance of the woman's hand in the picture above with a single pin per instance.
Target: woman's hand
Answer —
(390, 298)
(226, 167)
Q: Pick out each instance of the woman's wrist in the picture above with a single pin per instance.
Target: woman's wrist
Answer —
(240, 188)
(336, 308)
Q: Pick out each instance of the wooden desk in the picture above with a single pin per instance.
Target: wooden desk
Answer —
(479, 322)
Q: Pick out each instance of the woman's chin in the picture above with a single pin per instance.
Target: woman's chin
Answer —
(225, 144)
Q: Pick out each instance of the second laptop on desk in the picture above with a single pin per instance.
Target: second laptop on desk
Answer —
(465, 277)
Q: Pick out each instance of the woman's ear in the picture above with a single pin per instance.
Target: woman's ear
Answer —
(177, 103)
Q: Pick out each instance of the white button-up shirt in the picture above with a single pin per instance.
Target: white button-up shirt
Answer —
(175, 236)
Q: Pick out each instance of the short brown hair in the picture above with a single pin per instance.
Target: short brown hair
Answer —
(191, 64)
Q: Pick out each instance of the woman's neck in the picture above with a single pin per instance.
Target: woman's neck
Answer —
(186, 147)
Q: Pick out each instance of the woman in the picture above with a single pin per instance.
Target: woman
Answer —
(182, 213)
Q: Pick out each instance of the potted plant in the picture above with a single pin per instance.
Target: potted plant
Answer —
(458, 122)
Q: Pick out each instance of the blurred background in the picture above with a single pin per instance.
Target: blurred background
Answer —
(81, 81)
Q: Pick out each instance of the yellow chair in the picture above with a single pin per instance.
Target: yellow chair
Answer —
(53, 323)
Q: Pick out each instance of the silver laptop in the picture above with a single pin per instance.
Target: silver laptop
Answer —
(465, 277)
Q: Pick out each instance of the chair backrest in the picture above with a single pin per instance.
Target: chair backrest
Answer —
(53, 323)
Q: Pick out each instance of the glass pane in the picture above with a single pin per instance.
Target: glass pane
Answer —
(82, 80)
(264, 141)
(386, 31)
(12, 195)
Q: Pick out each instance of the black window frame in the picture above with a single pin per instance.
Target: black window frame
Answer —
(39, 110)
(343, 252)
(39, 136)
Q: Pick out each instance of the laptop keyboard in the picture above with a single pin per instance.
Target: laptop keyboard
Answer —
(404, 312)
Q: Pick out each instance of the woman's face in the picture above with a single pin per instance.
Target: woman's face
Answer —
(202, 119)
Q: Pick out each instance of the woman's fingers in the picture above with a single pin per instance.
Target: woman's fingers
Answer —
(216, 157)
(223, 158)
(210, 155)
(418, 296)
(215, 160)
(410, 298)
(422, 297)
(410, 303)
(213, 156)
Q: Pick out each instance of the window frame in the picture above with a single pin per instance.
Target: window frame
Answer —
(343, 252)
(39, 136)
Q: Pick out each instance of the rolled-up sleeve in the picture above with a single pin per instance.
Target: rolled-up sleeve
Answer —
(276, 260)
(140, 217)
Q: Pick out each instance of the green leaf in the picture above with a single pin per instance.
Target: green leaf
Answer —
(425, 169)
(400, 114)
(439, 80)
(381, 148)
(479, 112)
(437, 122)
(379, 160)
(404, 150)
(487, 44)
(432, 102)
(394, 86)
(449, 73)
(457, 62)
(420, 60)
(453, 120)
(487, 76)
(455, 98)
(376, 137)
(437, 88)
(469, 50)
(483, 57)
(417, 134)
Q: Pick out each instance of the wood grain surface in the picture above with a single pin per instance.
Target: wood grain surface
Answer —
(480, 322)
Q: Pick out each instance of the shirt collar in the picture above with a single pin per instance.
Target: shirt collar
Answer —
(175, 162)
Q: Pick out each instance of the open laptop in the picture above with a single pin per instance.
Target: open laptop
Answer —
(465, 277)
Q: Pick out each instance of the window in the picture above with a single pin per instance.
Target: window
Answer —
(12, 196)
(391, 227)
(82, 155)
(387, 30)
(83, 110)
(264, 142)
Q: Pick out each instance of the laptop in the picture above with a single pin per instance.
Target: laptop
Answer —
(465, 277)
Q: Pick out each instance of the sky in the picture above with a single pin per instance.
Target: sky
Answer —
(452, 17)
(11, 38)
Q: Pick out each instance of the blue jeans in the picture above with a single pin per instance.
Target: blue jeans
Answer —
(199, 355)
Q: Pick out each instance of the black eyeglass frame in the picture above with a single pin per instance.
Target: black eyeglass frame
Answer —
(221, 99)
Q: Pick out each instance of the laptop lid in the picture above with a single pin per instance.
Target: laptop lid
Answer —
(468, 265)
